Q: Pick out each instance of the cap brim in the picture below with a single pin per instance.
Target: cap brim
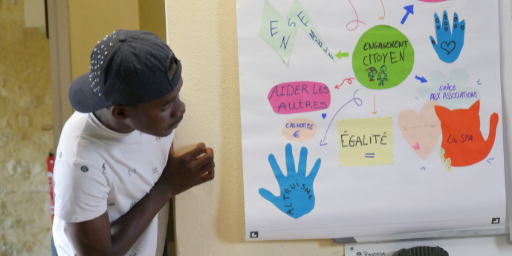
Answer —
(82, 97)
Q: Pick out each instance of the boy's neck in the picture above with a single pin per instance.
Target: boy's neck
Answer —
(106, 118)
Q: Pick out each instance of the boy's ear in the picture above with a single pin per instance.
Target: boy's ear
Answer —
(119, 112)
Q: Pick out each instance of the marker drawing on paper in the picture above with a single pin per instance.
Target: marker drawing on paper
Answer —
(297, 196)
(384, 9)
(354, 99)
(280, 33)
(439, 110)
(357, 21)
(449, 42)
(463, 143)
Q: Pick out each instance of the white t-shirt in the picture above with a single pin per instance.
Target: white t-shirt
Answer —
(98, 170)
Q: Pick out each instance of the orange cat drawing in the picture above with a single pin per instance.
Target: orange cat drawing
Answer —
(463, 143)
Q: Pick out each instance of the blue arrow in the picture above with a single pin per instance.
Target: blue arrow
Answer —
(422, 79)
(410, 10)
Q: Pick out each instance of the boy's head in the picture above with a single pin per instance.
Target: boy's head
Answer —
(136, 73)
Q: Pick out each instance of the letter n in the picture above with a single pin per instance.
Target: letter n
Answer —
(285, 43)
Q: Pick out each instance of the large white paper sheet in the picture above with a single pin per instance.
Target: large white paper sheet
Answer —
(370, 117)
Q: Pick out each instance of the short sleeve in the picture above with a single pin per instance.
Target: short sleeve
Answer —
(81, 192)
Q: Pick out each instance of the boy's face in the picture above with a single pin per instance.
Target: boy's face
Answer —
(158, 117)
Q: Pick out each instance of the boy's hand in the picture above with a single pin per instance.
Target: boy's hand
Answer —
(188, 170)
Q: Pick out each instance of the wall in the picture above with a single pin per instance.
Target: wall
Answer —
(25, 134)
(152, 17)
(90, 21)
(210, 218)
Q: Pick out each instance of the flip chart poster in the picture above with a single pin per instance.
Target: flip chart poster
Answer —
(370, 117)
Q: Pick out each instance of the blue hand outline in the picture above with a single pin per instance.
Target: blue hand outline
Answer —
(297, 197)
(449, 43)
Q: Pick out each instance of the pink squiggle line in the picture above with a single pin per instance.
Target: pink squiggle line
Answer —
(357, 21)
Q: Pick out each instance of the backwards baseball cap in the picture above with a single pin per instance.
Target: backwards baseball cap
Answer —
(128, 67)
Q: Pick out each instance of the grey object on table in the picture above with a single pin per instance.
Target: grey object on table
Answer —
(422, 251)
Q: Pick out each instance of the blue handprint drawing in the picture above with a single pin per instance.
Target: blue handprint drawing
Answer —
(297, 197)
(449, 43)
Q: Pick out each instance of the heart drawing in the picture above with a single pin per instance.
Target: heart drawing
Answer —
(421, 132)
(447, 46)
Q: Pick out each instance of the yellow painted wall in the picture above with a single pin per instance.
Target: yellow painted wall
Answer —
(25, 134)
(90, 21)
(210, 218)
(152, 17)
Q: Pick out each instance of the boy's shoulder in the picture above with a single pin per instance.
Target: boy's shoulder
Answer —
(76, 145)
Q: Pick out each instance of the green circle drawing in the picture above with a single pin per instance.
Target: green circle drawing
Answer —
(84, 168)
(383, 58)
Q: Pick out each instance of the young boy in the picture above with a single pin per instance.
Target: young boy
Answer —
(115, 168)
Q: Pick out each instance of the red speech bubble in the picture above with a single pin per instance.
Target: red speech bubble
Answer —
(299, 97)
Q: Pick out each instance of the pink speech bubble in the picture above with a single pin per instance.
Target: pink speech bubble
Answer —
(299, 97)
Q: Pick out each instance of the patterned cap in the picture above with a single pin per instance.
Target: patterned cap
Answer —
(128, 67)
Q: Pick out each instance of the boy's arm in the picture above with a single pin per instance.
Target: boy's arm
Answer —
(99, 237)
